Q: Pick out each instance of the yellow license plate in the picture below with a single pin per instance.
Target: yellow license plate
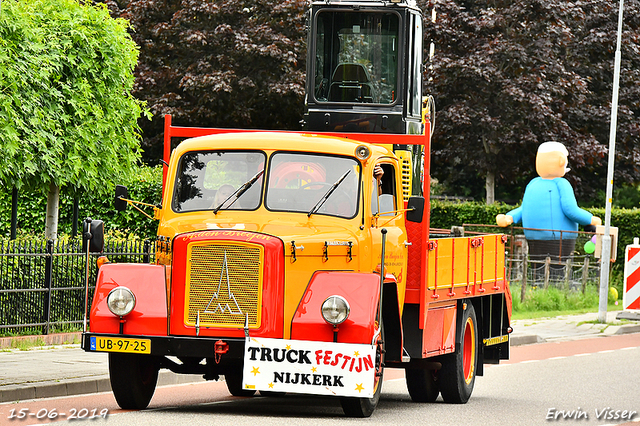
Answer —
(120, 344)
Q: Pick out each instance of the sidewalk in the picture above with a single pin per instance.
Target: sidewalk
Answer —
(52, 371)
(569, 327)
(64, 370)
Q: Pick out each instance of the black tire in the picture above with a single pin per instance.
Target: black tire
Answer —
(422, 385)
(364, 407)
(458, 373)
(233, 379)
(133, 379)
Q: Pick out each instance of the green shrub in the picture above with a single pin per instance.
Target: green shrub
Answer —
(628, 223)
(445, 214)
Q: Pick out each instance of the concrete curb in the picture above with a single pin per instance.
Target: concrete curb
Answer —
(525, 340)
(14, 393)
(615, 330)
(42, 340)
(628, 329)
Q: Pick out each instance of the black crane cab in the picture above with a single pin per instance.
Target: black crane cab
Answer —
(364, 67)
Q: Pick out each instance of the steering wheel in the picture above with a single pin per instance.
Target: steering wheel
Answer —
(340, 199)
(307, 185)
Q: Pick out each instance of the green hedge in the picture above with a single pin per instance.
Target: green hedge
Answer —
(628, 223)
(445, 214)
(145, 186)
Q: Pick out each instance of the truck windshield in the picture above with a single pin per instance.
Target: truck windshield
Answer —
(206, 179)
(356, 58)
(298, 181)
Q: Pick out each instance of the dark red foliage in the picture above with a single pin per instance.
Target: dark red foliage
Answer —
(509, 75)
(218, 63)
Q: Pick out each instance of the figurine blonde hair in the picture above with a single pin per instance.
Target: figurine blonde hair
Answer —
(553, 147)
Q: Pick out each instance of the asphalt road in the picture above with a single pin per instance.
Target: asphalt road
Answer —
(580, 379)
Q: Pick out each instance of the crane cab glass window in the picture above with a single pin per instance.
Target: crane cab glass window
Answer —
(356, 58)
(414, 68)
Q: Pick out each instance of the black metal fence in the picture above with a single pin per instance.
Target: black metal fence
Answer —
(42, 283)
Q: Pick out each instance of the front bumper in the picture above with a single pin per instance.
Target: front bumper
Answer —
(195, 347)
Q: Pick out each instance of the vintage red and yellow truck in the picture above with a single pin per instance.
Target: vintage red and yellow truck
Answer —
(303, 262)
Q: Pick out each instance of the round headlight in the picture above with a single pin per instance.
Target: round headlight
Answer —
(335, 310)
(121, 301)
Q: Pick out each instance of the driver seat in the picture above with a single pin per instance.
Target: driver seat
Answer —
(351, 83)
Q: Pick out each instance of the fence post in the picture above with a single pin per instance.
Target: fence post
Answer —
(146, 249)
(525, 268)
(585, 273)
(547, 267)
(567, 274)
(48, 277)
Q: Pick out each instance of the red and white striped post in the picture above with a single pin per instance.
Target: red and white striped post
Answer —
(631, 295)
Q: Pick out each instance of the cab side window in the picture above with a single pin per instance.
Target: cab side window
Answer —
(383, 198)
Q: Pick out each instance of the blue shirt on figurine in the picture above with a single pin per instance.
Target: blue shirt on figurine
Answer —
(550, 205)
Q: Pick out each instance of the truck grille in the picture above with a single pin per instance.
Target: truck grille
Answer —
(224, 284)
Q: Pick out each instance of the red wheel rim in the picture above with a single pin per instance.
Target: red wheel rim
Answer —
(469, 351)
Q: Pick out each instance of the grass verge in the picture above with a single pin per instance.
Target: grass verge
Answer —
(552, 302)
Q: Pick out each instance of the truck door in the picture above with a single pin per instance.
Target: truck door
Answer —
(386, 200)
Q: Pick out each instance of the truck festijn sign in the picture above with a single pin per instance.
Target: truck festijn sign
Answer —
(319, 368)
(631, 296)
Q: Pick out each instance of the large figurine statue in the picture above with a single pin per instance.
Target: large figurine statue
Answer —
(549, 205)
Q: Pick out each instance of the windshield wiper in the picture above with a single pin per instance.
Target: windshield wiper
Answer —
(327, 194)
(238, 192)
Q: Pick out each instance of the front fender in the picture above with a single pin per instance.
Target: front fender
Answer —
(148, 284)
(362, 292)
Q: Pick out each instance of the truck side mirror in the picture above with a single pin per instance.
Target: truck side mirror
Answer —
(119, 203)
(93, 233)
(415, 208)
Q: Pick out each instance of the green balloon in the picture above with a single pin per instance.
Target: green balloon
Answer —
(589, 247)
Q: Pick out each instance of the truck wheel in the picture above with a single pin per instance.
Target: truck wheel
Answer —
(133, 379)
(233, 378)
(458, 372)
(422, 385)
(364, 407)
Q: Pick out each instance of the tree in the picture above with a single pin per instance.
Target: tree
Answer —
(67, 115)
(591, 55)
(218, 63)
(510, 75)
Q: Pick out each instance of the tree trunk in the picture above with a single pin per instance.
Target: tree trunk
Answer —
(53, 200)
(14, 213)
(490, 186)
